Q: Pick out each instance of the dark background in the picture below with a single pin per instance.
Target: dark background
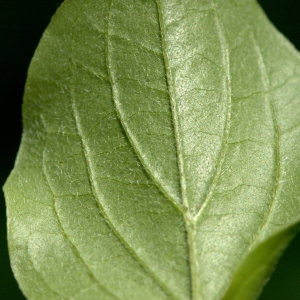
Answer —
(21, 25)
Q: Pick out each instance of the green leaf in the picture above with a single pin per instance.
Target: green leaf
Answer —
(160, 157)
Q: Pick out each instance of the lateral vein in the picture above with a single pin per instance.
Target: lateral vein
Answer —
(115, 96)
(92, 180)
(226, 132)
(74, 248)
(277, 141)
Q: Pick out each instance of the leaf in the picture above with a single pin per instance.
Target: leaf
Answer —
(160, 155)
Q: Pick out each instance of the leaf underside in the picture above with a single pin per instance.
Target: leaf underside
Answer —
(160, 155)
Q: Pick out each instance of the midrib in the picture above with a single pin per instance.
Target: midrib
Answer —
(189, 223)
(190, 218)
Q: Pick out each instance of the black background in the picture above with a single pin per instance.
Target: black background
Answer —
(21, 26)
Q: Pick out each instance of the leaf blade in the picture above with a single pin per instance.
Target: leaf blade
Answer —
(215, 107)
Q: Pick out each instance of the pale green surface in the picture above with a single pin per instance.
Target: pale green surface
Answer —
(160, 156)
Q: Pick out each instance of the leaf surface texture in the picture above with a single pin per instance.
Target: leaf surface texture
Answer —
(160, 155)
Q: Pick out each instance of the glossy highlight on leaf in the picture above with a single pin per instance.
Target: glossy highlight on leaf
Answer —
(160, 155)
